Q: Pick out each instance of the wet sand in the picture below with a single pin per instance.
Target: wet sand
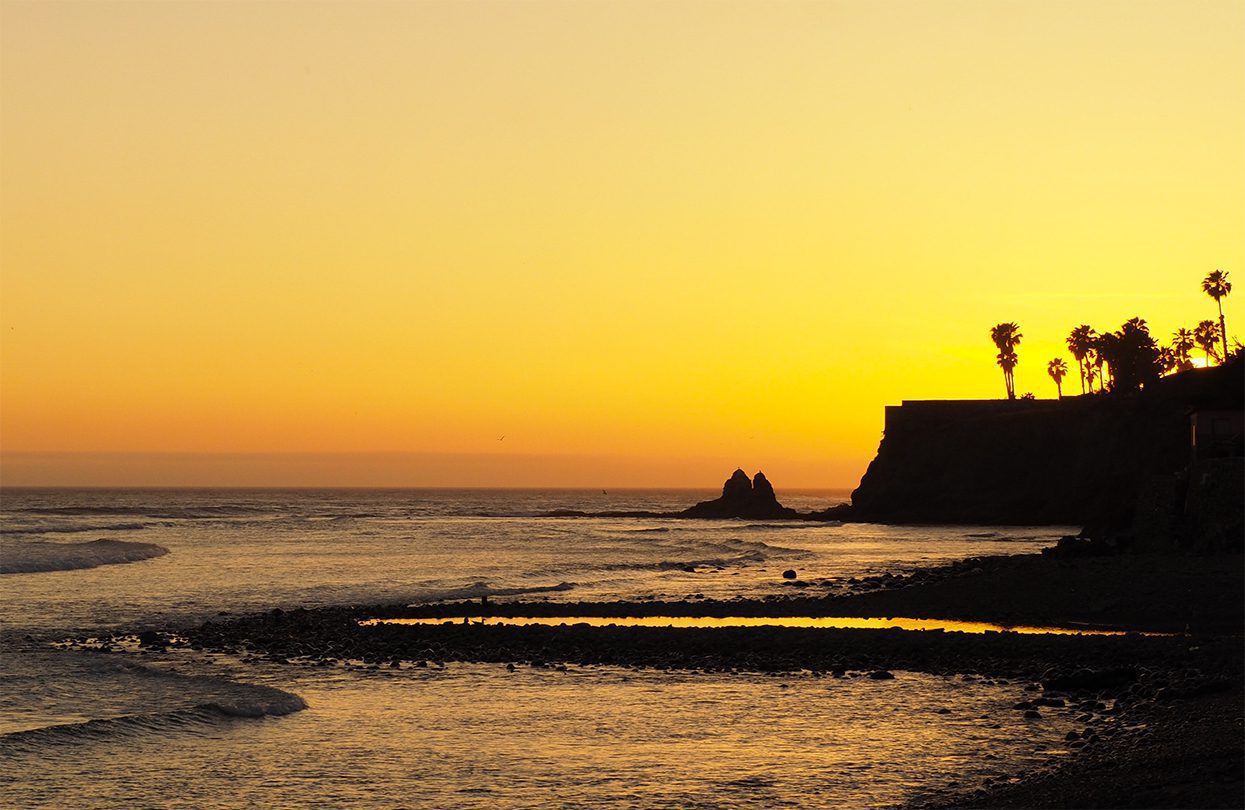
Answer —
(1189, 754)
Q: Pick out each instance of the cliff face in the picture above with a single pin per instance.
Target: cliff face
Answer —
(1082, 460)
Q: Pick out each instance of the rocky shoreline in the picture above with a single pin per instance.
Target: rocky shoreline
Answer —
(1148, 720)
(1178, 694)
(1143, 594)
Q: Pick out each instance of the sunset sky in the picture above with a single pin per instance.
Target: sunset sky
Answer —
(359, 243)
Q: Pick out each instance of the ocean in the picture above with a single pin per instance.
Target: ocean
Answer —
(190, 729)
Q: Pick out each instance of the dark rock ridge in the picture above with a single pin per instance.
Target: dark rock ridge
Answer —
(743, 498)
(1085, 460)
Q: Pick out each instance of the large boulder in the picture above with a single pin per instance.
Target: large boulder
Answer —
(743, 498)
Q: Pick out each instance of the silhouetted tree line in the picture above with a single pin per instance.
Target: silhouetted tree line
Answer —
(1128, 358)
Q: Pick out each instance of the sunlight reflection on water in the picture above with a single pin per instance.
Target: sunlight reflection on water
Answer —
(828, 622)
(475, 736)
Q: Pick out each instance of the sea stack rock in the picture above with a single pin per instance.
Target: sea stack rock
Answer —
(762, 489)
(743, 498)
(737, 487)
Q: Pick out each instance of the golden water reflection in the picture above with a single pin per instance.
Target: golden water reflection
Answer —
(829, 622)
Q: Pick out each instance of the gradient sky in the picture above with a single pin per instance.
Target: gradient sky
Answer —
(644, 242)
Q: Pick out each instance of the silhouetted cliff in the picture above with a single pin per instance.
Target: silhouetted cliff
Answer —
(1079, 461)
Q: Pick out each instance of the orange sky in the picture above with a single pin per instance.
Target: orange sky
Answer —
(645, 242)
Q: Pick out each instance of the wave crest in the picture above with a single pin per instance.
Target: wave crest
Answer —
(79, 529)
(262, 701)
(37, 557)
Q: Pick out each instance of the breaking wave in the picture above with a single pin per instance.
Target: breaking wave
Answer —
(803, 524)
(34, 557)
(166, 512)
(76, 529)
(999, 537)
(63, 697)
(263, 701)
(478, 589)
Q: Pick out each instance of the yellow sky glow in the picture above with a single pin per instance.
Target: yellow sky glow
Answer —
(667, 237)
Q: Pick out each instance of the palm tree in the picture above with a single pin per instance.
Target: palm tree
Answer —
(1006, 337)
(1216, 285)
(1081, 343)
(1057, 369)
(1167, 360)
(1091, 373)
(1104, 355)
(1132, 355)
(1205, 335)
(1183, 342)
(1007, 361)
(1093, 365)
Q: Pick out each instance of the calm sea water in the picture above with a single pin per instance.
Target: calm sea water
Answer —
(206, 731)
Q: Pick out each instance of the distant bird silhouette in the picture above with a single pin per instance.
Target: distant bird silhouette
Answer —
(502, 439)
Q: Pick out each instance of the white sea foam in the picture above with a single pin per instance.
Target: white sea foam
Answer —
(27, 557)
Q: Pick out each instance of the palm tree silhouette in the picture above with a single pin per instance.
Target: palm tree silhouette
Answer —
(1093, 365)
(1132, 356)
(1006, 337)
(1167, 360)
(1057, 369)
(1217, 286)
(1206, 335)
(1081, 343)
(1105, 355)
(1183, 342)
(1091, 374)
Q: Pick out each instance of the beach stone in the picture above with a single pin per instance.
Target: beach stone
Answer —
(1090, 679)
(148, 638)
(1033, 714)
(789, 574)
